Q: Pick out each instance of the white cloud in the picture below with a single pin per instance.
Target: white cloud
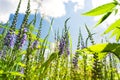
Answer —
(56, 8)
(52, 8)
(9, 6)
(79, 4)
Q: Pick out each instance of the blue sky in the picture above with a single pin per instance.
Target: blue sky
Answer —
(60, 10)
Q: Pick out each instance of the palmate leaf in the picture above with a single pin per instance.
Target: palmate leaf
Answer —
(105, 47)
(101, 9)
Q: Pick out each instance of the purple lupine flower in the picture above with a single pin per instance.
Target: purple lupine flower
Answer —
(10, 39)
(68, 51)
(35, 44)
(0, 54)
(75, 62)
(25, 30)
(7, 38)
(22, 70)
(23, 40)
(61, 46)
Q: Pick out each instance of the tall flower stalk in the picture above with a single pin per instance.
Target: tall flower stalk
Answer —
(96, 72)
(23, 39)
(36, 42)
(75, 59)
(61, 46)
(11, 36)
(22, 32)
(64, 41)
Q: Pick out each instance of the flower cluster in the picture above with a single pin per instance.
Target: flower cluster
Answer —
(75, 62)
(61, 46)
(35, 44)
(10, 39)
(23, 39)
(68, 51)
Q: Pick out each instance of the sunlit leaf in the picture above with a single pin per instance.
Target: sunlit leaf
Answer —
(101, 9)
(116, 11)
(113, 26)
(47, 63)
(17, 74)
(21, 64)
(106, 47)
(118, 36)
(31, 28)
(115, 31)
(103, 18)
(1, 71)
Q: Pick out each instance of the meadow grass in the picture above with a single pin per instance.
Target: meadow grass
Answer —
(24, 55)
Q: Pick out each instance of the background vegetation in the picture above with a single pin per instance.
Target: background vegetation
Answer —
(24, 55)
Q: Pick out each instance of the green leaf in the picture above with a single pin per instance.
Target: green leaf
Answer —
(46, 64)
(116, 11)
(17, 74)
(114, 32)
(31, 28)
(5, 27)
(103, 18)
(1, 71)
(101, 9)
(21, 64)
(118, 36)
(105, 47)
(113, 26)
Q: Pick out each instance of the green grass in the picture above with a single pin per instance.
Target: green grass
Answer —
(31, 57)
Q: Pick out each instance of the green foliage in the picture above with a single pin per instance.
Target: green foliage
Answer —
(37, 59)
(106, 10)
(17, 74)
(101, 9)
(105, 48)
(103, 18)
(115, 28)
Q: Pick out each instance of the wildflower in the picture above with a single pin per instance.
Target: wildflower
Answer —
(68, 51)
(75, 62)
(35, 44)
(10, 39)
(23, 40)
(22, 70)
(61, 46)
(25, 30)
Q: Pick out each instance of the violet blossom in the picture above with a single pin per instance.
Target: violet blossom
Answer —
(10, 39)
(61, 46)
(35, 44)
(23, 39)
